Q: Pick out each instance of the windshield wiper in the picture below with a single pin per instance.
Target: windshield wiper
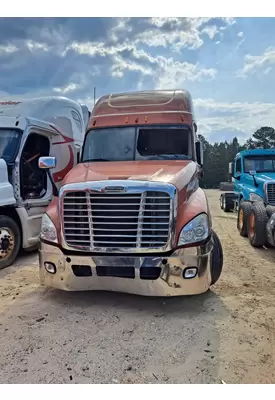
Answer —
(169, 157)
(96, 159)
(264, 170)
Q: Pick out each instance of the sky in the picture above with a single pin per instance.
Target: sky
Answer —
(226, 63)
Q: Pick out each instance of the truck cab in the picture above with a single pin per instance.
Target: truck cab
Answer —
(29, 129)
(254, 175)
(131, 216)
(253, 172)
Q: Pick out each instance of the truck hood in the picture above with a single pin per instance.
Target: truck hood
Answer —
(6, 189)
(265, 176)
(176, 172)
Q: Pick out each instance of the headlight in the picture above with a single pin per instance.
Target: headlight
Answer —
(255, 197)
(195, 231)
(48, 230)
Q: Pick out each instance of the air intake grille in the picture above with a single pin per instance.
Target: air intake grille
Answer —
(94, 220)
(271, 193)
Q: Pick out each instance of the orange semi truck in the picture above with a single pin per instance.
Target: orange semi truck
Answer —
(131, 217)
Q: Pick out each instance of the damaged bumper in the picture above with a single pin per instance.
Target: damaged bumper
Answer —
(185, 272)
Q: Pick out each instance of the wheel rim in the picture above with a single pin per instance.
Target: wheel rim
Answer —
(241, 219)
(251, 225)
(6, 243)
(223, 202)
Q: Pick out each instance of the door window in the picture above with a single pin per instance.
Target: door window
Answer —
(33, 179)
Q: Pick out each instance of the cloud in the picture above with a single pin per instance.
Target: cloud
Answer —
(8, 49)
(241, 118)
(48, 54)
(211, 31)
(65, 90)
(165, 72)
(173, 73)
(253, 64)
(69, 56)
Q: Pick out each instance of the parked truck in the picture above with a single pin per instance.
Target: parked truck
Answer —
(253, 198)
(49, 126)
(131, 216)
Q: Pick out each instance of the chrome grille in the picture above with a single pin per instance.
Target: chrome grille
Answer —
(270, 193)
(95, 220)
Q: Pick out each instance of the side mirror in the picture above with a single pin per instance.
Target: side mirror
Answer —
(199, 153)
(47, 162)
(231, 169)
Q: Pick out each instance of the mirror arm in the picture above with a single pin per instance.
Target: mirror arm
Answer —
(55, 190)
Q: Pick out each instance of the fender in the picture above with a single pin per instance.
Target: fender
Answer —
(52, 211)
(197, 203)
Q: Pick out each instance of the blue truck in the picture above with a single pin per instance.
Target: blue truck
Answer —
(253, 173)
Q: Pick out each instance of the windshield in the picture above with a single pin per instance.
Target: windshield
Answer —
(138, 143)
(260, 164)
(9, 144)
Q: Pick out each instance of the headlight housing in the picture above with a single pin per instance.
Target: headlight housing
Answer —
(195, 231)
(255, 197)
(48, 230)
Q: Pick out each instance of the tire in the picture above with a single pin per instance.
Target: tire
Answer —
(216, 259)
(243, 217)
(270, 210)
(221, 201)
(258, 219)
(10, 241)
(225, 205)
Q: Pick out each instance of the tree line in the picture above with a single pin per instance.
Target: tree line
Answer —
(217, 156)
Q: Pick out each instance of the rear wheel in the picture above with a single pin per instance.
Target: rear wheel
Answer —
(216, 259)
(243, 216)
(221, 201)
(225, 204)
(10, 241)
(257, 225)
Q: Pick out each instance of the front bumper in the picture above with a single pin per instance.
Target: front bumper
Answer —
(152, 275)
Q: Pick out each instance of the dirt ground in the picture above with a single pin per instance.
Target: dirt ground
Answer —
(228, 334)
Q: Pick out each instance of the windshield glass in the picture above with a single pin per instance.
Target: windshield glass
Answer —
(9, 144)
(260, 164)
(138, 143)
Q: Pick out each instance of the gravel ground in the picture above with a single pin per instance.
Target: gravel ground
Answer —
(49, 336)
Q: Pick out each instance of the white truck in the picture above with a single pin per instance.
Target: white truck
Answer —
(29, 129)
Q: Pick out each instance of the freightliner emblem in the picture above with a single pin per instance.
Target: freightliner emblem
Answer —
(114, 189)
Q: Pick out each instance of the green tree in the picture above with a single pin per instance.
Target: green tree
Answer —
(263, 138)
(216, 159)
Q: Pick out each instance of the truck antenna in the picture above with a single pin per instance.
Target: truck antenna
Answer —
(94, 94)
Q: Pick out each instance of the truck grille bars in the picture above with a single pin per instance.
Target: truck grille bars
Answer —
(95, 221)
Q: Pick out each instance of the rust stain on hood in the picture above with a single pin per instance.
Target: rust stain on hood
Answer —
(176, 172)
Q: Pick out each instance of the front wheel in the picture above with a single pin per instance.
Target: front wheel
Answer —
(216, 259)
(243, 217)
(10, 241)
(258, 219)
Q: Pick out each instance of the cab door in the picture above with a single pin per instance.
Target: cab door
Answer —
(237, 174)
(35, 189)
